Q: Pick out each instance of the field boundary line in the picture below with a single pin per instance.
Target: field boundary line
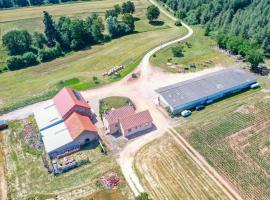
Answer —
(226, 187)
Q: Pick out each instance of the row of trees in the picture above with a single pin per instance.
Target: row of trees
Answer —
(24, 3)
(250, 50)
(66, 35)
(248, 19)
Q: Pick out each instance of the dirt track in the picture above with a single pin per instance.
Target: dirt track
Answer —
(142, 93)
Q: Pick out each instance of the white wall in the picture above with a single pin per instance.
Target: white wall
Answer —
(136, 130)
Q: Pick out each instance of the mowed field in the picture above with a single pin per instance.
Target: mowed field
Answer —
(201, 51)
(26, 175)
(234, 137)
(167, 172)
(33, 84)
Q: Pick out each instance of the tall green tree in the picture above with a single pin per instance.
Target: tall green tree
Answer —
(152, 13)
(21, 3)
(39, 40)
(129, 20)
(128, 7)
(51, 31)
(118, 9)
(36, 2)
(17, 42)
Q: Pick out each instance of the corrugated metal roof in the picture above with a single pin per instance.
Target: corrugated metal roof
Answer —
(77, 124)
(136, 120)
(204, 86)
(67, 98)
(56, 137)
(47, 115)
(115, 115)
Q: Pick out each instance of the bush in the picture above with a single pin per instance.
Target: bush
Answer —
(30, 59)
(177, 51)
(49, 54)
(178, 23)
(19, 62)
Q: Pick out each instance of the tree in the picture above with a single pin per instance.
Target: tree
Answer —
(177, 51)
(17, 42)
(30, 59)
(21, 3)
(129, 20)
(49, 54)
(180, 14)
(110, 13)
(15, 62)
(207, 30)
(143, 196)
(39, 40)
(79, 34)
(255, 58)
(152, 12)
(117, 9)
(51, 32)
(36, 2)
(53, 1)
(128, 7)
(116, 28)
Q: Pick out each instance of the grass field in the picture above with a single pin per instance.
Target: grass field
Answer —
(201, 52)
(113, 102)
(167, 172)
(33, 84)
(234, 136)
(27, 177)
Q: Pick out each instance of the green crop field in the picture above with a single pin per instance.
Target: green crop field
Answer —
(27, 177)
(22, 87)
(234, 136)
(199, 50)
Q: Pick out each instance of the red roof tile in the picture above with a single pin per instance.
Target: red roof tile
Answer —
(67, 98)
(135, 120)
(77, 124)
(114, 115)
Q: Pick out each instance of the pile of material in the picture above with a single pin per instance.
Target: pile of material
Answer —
(30, 135)
(113, 70)
(110, 180)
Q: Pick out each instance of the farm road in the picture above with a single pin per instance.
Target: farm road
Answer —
(141, 91)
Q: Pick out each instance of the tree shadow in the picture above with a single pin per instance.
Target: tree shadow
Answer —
(136, 18)
(157, 23)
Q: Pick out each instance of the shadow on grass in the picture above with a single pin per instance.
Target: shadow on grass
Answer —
(90, 145)
(136, 18)
(157, 23)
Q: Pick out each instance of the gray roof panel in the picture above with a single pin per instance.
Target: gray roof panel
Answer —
(204, 86)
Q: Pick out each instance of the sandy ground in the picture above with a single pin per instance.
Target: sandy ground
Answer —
(141, 92)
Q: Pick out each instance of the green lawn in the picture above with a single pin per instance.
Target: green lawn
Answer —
(113, 102)
(22, 87)
(233, 136)
(199, 50)
(27, 177)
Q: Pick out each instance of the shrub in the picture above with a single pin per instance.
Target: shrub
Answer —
(49, 54)
(30, 59)
(177, 51)
(178, 23)
(19, 62)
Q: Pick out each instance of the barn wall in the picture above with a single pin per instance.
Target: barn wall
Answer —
(92, 136)
(68, 147)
